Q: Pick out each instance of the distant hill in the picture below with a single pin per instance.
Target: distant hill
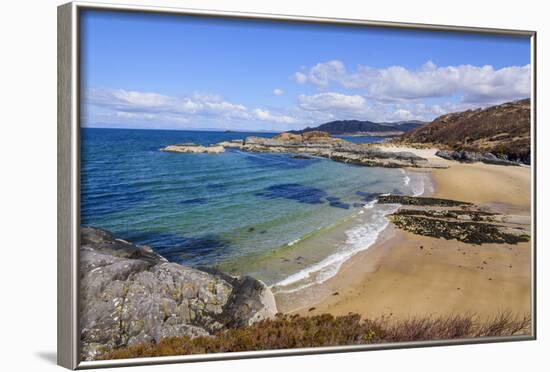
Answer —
(360, 127)
(503, 130)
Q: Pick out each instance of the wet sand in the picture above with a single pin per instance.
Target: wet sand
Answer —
(404, 275)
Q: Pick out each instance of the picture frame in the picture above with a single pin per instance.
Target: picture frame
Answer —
(69, 181)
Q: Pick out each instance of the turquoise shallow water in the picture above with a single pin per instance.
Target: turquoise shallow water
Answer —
(203, 209)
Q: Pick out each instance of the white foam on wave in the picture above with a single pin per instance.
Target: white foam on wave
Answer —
(359, 238)
(294, 242)
(406, 178)
(418, 184)
(426, 187)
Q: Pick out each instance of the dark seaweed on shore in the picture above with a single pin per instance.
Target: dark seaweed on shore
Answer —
(420, 201)
(472, 227)
(437, 220)
(448, 213)
(463, 231)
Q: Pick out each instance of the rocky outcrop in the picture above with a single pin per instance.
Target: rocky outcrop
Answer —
(130, 295)
(439, 218)
(335, 149)
(472, 157)
(503, 130)
(191, 148)
(315, 135)
(285, 136)
(321, 144)
(306, 136)
(234, 144)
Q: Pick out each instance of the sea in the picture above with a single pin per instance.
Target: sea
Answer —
(286, 220)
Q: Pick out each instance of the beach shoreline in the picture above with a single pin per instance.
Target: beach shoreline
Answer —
(403, 275)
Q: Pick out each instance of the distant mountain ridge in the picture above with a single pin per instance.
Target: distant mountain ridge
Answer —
(355, 127)
(503, 130)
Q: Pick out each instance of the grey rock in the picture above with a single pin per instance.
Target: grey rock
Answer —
(472, 157)
(130, 295)
(338, 150)
(191, 148)
(332, 148)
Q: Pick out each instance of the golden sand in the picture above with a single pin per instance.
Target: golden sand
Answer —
(405, 275)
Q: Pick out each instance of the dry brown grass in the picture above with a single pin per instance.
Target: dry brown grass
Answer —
(287, 332)
(502, 130)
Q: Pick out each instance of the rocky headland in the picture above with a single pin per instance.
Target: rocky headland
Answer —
(131, 295)
(321, 144)
(498, 134)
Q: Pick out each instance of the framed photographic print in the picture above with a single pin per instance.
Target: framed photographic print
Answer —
(235, 185)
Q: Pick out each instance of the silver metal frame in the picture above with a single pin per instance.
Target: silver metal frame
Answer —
(68, 181)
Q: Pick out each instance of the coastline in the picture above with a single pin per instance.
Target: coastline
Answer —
(403, 275)
(321, 255)
(364, 266)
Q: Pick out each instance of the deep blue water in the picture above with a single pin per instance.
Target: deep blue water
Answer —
(204, 209)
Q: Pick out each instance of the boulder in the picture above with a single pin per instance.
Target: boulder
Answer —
(129, 295)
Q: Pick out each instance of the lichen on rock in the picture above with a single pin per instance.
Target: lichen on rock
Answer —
(130, 295)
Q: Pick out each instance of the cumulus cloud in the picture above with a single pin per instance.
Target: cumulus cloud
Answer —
(146, 106)
(121, 100)
(475, 84)
(322, 73)
(265, 115)
(331, 101)
(300, 78)
(144, 116)
(332, 106)
(278, 92)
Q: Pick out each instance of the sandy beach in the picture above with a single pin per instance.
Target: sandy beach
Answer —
(404, 275)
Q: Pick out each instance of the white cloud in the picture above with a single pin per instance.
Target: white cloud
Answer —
(322, 73)
(300, 78)
(265, 115)
(141, 116)
(416, 111)
(198, 109)
(121, 100)
(278, 92)
(329, 106)
(331, 101)
(475, 84)
(140, 99)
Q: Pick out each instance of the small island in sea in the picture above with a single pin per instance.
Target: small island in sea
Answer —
(306, 204)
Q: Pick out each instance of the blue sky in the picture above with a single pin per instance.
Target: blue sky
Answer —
(183, 72)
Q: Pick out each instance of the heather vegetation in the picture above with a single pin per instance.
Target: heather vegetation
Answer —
(503, 130)
(294, 331)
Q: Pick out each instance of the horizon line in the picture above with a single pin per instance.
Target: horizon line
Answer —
(187, 130)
